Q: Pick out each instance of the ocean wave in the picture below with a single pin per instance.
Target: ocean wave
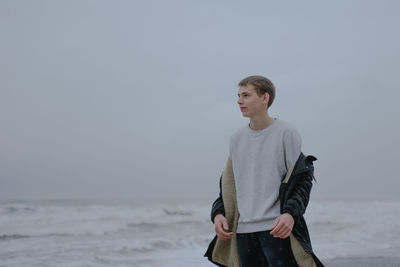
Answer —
(15, 209)
(5, 237)
(177, 212)
(13, 236)
(158, 245)
(149, 225)
(112, 261)
(142, 225)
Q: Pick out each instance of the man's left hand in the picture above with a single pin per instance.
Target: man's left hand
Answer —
(283, 226)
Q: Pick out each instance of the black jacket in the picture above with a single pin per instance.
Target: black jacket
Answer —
(294, 196)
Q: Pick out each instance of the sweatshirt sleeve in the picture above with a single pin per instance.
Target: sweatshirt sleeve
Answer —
(230, 147)
(291, 147)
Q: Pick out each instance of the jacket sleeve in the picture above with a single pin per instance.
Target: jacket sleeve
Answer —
(218, 205)
(298, 197)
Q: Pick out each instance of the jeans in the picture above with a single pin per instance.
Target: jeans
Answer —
(261, 249)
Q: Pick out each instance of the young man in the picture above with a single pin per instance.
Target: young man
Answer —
(261, 202)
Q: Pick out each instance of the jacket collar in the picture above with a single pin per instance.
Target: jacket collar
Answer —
(303, 164)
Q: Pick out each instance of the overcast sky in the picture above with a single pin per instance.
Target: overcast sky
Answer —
(137, 99)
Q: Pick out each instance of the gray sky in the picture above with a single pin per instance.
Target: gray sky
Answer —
(137, 99)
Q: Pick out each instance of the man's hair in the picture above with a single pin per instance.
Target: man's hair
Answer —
(262, 86)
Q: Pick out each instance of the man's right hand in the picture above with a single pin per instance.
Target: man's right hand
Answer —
(221, 227)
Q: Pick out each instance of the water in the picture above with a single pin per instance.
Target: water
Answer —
(101, 233)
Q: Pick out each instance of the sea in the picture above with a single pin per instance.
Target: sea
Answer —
(87, 233)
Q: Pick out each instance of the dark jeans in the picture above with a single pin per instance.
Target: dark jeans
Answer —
(261, 249)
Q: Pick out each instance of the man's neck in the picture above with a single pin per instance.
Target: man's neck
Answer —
(261, 122)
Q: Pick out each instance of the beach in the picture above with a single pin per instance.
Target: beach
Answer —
(177, 233)
(364, 262)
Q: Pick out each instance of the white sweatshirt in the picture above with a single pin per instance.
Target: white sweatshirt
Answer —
(260, 160)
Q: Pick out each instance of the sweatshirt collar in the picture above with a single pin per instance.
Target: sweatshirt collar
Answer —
(262, 131)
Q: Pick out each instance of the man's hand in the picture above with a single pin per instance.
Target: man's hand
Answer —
(283, 226)
(221, 227)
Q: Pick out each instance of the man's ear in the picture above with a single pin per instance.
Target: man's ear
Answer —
(266, 97)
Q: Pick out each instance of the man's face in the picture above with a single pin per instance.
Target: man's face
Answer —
(250, 103)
